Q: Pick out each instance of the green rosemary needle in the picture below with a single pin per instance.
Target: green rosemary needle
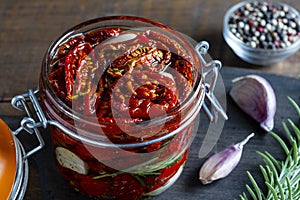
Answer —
(281, 178)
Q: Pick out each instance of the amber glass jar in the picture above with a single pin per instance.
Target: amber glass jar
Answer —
(14, 168)
(121, 95)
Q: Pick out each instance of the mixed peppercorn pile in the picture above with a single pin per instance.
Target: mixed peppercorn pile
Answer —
(266, 25)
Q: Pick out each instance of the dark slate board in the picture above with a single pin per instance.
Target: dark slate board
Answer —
(45, 182)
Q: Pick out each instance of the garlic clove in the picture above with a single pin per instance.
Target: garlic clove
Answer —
(221, 164)
(70, 160)
(256, 97)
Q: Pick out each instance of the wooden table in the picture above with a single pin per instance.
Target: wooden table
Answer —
(28, 27)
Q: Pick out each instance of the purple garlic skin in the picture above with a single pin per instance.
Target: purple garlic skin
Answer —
(221, 164)
(255, 96)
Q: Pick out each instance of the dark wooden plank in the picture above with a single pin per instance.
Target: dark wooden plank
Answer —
(45, 182)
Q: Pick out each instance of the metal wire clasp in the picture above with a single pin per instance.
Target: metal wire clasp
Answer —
(29, 124)
(210, 73)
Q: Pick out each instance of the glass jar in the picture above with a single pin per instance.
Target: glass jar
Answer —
(121, 95)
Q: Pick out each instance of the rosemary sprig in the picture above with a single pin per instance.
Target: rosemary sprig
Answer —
(282, 178)
(295, 105)
(150, 167)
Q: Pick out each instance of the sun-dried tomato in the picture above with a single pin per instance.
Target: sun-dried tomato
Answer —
(75, 60)
(141, 58)
(145, 93)
(70, 44)
(185, 68)
(165, 42)
(126, 187)
(95, 37)
(94, 187)
(57, 80)
(62, 139)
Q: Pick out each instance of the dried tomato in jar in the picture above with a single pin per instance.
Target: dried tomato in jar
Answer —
(127, 91)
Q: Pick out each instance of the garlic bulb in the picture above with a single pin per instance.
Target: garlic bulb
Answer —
(221, 164)
(256, 97)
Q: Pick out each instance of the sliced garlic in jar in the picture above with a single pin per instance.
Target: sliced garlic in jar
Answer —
(256, 97)
(70, 160)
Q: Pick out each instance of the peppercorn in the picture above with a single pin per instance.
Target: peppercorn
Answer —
(266, 25)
